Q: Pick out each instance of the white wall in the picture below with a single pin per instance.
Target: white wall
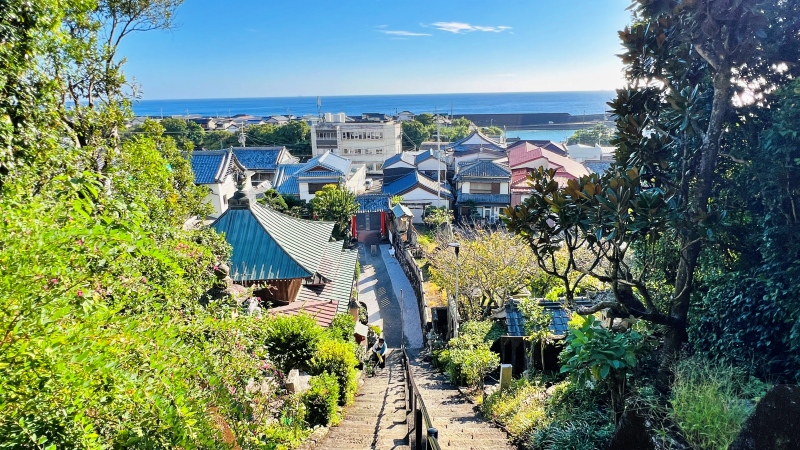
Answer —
(225, 189)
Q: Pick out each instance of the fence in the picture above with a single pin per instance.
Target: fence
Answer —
(420, 430)
(414, 275)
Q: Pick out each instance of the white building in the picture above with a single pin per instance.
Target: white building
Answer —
(369, 140)
(217, 170)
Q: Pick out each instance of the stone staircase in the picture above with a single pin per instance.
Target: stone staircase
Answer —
(377, 418)
(458, 421)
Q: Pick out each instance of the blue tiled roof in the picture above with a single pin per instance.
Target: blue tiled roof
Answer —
(515, 321)
(372, 203)
(483, 169)
(597, 166)
(484, 199)
(475, 141)
(208, 166)
(405, 157)
(412, 180)
(263, 158)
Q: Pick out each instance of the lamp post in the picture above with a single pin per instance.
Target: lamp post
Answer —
(454, 306)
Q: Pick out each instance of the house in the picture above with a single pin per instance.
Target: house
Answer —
(473, 147)
(482, 189)
(206, 123)
(263, 161)
(419, 191)
(304, 180)
(369, 140)
(219, 171)
(524, 158)
(288, 261)
(277, 120)
(547, 145)
(405, 116)
(425, 161)
(580, 152)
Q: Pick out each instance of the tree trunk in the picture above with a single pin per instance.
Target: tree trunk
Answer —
(698, 208)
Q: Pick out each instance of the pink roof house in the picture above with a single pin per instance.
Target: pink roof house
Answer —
(525, 157)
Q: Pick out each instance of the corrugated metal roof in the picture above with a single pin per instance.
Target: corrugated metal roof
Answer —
(401, 211)
(483, 169)
(255, 254)
(268, 245)
(484, 199)
(338, 266)
(372, 203)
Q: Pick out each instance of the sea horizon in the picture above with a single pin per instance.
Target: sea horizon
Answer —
(572, 102)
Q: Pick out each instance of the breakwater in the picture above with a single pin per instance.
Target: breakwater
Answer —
(532, 121)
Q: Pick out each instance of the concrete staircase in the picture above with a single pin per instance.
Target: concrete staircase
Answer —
(458, 421)
(377, 418)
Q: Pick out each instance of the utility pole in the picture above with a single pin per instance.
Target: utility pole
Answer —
(439, 158)
(242, 137)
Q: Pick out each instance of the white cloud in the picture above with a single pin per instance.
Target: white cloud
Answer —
(461, 27)
(402, 33)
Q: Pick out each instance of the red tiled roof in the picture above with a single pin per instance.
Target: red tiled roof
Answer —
(322, 311)
(526, 152)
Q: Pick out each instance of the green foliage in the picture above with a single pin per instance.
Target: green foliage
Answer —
(336, 204)
(569, 417)
(337, 358)
(186, 134)
(414, 134)
(273, 200)
(322, 400)
(467, 358)
(599, 134)
(437, 216)
(396, 200)
(537, 325)
(343, 327)
(292, 341)
(711, 401)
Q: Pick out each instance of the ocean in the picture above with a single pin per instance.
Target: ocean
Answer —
(575, 103)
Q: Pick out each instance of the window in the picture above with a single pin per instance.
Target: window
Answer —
(314, 187)
(346, 151)
(378, 166)
(378, 151)
(368, 151)
(357, 151)
(484, 188)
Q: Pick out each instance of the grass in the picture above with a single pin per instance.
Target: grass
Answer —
(710, 401)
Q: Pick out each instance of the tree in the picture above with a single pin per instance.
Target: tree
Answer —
(414, 134)
(187, 135)
(494, 265)
(426, 119)
(437, 216)
(336, 204)
(599, 134)
(274, 200)
(671, 124)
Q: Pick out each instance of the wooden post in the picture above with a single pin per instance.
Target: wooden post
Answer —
(505, 376)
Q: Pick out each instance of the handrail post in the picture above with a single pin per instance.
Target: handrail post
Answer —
(433, 433)
(418, 428)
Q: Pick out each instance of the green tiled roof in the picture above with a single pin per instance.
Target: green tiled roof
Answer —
(338, 266)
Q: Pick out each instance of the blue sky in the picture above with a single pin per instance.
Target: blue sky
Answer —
(234, 48)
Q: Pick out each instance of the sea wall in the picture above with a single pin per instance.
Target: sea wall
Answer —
(528, 121)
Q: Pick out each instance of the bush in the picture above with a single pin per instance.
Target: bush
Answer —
(519, 409)
(467, 359)
(711, 401)
(321, 400)
(343, 327)
(292, 340)
(338, 358)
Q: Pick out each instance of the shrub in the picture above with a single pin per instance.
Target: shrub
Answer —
(468, 360)
(519, 409)
(291, 341)
(343, 327)
(711, 401)
(338, 358)
(321, 400)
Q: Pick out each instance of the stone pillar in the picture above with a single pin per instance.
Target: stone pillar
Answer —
(505, 376)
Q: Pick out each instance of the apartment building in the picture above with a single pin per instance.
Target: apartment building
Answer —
(369, 140)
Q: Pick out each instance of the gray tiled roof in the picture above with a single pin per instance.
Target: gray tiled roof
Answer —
(597, 166)
(475, 141)
(287, 178)
(483, 199)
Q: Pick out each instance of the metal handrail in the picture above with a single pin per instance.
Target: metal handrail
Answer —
(415, 404)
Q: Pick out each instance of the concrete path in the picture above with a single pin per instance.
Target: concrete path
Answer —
(377, 419)
(459, 422)
(379, 287)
